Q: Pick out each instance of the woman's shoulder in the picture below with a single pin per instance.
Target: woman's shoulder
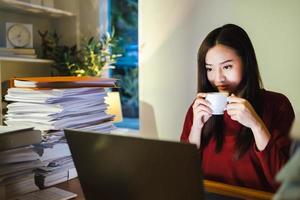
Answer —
(276, 97)
(275, 100)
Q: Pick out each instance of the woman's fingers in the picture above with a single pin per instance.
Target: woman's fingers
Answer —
(232, 112)
(200, 101)
(235, 99)
(202, 108)
(234, 106)
(201, 95)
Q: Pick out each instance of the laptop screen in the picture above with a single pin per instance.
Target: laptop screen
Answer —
(120, 167)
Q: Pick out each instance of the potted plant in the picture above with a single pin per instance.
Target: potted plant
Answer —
(94, 54)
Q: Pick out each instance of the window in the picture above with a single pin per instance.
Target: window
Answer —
(123, 17)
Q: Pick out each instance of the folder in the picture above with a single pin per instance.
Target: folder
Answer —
(62, 82)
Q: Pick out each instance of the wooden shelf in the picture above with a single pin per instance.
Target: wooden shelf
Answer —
(19, 59)
(28, 8)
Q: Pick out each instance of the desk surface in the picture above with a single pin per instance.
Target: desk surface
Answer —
(210, 186)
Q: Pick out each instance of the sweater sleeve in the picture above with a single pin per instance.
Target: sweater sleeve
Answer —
(188, 122)
(276, 153)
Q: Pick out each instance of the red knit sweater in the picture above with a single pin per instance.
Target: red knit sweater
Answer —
(255, 169)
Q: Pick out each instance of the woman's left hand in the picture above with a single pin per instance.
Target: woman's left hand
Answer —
(241, 110)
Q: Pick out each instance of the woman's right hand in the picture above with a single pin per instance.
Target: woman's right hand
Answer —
(201, 110)
(202, 113)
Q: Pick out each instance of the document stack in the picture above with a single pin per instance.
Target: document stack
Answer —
(56, 157)
(55, 103)
(51, 104)
(18, 160)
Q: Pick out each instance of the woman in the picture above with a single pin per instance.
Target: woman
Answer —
(249, 144)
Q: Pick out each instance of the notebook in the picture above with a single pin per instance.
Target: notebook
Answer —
(114, 167)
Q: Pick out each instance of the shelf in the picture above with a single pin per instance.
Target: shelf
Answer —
(19, 59)
(28, 8)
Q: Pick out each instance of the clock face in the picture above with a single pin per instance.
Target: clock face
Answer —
(18, 35)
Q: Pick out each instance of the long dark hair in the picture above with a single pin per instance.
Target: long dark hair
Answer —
(236, 38)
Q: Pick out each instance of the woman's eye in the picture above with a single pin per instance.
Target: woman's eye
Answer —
(227, 67)
(208, 69)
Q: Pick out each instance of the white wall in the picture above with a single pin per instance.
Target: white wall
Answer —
(170, 35)
(167, 65)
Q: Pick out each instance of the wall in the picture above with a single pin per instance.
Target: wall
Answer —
(89, 18)
(170, 34)
(86, 22)
(167, 65)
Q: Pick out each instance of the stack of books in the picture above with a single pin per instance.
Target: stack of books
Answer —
(18, 160)
(51, 104)
(18, 52)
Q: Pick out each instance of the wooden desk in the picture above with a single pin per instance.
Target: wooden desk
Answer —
(210, 186)
(236, 191)
(72, 186)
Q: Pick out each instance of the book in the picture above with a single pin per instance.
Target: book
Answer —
(19, 56)
(62, 82)
(18, 136)
(23, 51)
(12, 129)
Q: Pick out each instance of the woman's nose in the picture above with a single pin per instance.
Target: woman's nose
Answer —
(220, 77)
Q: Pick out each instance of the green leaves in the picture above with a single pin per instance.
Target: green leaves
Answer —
(94, 55)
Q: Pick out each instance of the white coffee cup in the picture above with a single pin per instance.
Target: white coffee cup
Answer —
(218, 101)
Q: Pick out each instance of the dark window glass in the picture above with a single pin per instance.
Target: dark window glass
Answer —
(124, 21)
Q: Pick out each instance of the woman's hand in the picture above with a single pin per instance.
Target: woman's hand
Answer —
(241, 110)
(202, 113)
(201, 110)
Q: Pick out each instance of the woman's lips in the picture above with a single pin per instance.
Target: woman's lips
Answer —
(222, 87)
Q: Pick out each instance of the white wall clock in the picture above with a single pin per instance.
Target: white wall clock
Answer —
(19, 35)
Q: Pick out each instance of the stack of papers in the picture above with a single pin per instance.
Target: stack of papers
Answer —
(55, 172)
(34, 102)
(56, 109)
(57, 162)
(53, 151)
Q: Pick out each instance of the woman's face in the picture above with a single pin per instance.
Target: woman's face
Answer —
(224, 68)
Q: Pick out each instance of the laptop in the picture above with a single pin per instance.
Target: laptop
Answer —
(114, 167)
